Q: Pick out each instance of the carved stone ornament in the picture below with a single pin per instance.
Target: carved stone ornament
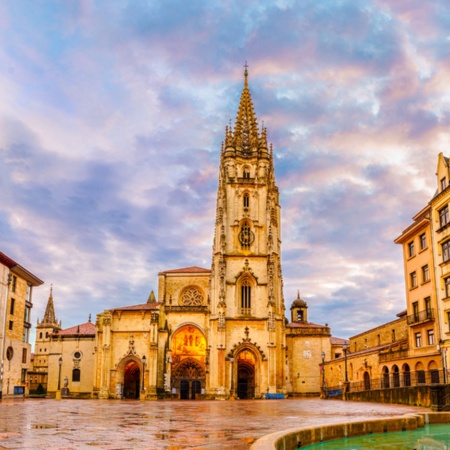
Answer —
(192, 297)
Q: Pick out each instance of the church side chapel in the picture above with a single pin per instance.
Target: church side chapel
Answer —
(219, 333)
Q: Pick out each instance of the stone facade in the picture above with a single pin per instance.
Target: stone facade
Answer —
(16, 285)
(219, 333)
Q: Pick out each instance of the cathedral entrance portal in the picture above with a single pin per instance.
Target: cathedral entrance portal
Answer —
(189, 377)
(132, 380)
(246, 375)
(188, 369)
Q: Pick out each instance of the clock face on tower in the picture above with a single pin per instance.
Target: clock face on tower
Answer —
(246, 235)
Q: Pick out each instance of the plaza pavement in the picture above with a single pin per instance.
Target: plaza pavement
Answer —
(173, 425)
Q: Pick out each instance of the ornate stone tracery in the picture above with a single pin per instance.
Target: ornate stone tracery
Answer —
(191, 297)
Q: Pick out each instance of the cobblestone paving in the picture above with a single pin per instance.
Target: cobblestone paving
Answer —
(173, 425)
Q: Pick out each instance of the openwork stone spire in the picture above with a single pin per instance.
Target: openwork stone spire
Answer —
(49, 316)
(245, 139)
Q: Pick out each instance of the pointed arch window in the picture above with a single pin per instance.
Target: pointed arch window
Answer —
(246, 297)
(246, 200)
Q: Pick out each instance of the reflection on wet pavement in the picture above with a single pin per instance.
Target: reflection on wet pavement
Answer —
(172, 425)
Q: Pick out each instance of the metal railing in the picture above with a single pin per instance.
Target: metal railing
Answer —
(420, 316)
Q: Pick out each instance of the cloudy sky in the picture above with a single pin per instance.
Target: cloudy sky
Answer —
(112, 115)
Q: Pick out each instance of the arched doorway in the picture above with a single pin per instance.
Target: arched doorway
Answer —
(132, 380)
(396, 376)
(188, 377)
(246, 375)
(188, 367)
(406, 375)
(385, 378)
(366, 381)
(434, 372)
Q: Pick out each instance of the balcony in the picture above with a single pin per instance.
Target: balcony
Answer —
(420, 316)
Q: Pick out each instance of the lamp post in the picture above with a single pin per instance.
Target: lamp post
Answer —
(232, 379)
(345, 348)
(58, 392)
(144, 362)
(346, 384)
(442, 351)
(324, 393)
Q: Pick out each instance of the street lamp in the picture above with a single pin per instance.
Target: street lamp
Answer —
(323, 375)
(232, 379)
(59, 373)
(345, 348)
(58, 392)
(144, 362)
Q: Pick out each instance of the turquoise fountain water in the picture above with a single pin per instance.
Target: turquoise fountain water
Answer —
(430, 437)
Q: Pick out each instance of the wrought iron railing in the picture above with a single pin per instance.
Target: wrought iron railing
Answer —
(420, 316)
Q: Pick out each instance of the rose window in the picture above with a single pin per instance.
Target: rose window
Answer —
(192, 297)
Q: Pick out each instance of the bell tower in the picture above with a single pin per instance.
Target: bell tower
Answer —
(247, 323)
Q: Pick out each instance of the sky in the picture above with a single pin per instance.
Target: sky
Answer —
(112, 116)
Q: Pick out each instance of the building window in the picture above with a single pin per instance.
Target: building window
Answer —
(11, 306)
(430, 334)
(446, 251)
(246, 200)
(26, 335)
(447, 286)
(24, 355)
(26, 317)
(428, 307)
(425, 274)
(443, 183)
(246, 173)
(418, 340)
(76, 375)
(411, 249)
(28, 294)
(23, 377)
(448, 321)
(14, 284)
(40, 335)
(11, 325)
(416, 311)
(393, 335)
(413, 279)
(423, 241)
(443, 216)
(246, 297)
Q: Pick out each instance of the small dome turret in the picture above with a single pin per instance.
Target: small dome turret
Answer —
(299, 310)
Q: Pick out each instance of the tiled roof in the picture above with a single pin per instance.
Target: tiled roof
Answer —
(337, 341)
(7, 261)
(304, 325)
(192, 269)
(85, 329)
(21, 271)
(146, 306)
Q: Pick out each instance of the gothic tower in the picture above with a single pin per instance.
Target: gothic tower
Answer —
(44, 329)
(247, 323)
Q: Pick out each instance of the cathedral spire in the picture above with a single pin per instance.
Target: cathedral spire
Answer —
(49, 316)
(246, 136)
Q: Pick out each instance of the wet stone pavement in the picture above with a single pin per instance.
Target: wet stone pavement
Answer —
(127, 424)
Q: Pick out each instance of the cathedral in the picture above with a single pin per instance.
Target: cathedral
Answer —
(218, 333)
